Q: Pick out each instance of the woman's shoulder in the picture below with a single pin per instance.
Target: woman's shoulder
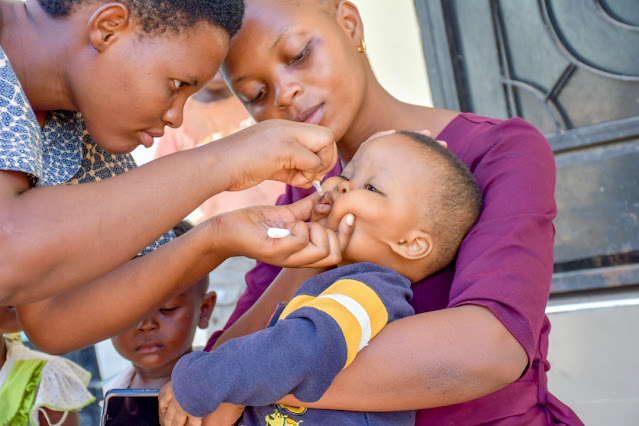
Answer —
(470, 124)
(471, 136)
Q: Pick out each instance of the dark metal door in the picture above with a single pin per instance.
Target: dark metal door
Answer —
(571, 68)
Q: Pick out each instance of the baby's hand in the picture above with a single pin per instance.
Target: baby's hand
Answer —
(226, 414)
(171, 413)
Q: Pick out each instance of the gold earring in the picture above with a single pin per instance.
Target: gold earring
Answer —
(362, 47)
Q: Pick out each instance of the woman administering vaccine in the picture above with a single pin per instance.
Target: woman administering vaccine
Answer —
(476, 351)
(84, 82)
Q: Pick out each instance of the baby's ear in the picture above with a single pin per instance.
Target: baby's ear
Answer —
(417, 245)
(206, 309)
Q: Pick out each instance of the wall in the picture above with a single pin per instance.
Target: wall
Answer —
(394, 48)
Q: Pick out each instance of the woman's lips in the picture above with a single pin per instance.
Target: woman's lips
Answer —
(313, 115)
(147, 139)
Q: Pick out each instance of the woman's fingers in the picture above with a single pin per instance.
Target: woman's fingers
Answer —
(430, 135)
(310, 155)
(287, 151)
(245, 233)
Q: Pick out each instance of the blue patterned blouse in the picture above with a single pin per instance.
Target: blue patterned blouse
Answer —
(62, 152)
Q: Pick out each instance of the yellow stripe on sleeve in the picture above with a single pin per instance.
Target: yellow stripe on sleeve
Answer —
(366, 297)
(355, 307)
(346, 321)
(296, 303)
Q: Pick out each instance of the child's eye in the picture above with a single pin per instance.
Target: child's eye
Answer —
(371, 188)
(344, 178)
(302, 55)
(179, 84)
(167, 309)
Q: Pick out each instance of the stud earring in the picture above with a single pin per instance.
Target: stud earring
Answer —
(362, 47)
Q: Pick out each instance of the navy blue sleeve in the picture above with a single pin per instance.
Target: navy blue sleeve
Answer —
(299, 355)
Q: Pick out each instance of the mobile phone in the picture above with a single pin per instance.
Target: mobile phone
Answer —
(126, 407)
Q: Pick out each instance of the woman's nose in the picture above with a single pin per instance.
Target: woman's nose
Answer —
(286, 92)
(174, 116)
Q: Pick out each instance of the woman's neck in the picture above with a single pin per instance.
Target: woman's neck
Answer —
(33, 42)
(381, 111)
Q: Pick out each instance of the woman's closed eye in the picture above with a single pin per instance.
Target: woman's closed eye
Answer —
(302, 55)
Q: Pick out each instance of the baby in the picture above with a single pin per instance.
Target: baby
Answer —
(414, 202)
(156, 343)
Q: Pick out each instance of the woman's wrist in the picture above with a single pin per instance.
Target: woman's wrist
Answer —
(214, 240)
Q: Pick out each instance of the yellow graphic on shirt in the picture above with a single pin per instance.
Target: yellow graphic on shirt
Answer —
(277, 419)
(293, 409)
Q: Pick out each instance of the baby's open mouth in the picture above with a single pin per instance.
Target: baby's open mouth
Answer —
(324, 205)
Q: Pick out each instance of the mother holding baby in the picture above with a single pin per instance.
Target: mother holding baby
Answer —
(476, 351)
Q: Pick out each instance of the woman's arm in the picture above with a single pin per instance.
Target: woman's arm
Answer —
(96, 311)
(446, 357)
(56, 238)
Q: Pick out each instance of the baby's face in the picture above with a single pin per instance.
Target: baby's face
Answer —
(384, 186)
(162, 337)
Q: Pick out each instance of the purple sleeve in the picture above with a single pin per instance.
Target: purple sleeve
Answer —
(262, 275)
(506, 261)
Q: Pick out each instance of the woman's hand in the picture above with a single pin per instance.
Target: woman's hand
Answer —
(287, 151)
(244, 233)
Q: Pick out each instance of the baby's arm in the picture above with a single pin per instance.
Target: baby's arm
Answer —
(295, 356)
(302, 353)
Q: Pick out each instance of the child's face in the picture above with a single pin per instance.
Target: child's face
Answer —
(296, 62)
(160, 339)
(136, 86)
(385, 186)
(9, 320)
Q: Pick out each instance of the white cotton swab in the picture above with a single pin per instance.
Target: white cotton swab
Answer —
(318, 186)
(281, 232)
(278, 232)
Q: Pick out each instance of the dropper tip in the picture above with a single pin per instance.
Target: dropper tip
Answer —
(318, 187)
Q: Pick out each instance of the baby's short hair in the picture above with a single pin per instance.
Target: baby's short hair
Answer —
(160, 16)
(457, 199)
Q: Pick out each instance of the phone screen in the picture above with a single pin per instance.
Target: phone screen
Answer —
(123, 408)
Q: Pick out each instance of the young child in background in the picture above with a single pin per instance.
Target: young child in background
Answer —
(414, 202)
(37, 388)
(156, 343)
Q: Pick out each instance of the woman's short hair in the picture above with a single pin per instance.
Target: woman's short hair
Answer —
(156, 17)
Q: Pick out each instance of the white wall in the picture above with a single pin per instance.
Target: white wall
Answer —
(394, 47)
